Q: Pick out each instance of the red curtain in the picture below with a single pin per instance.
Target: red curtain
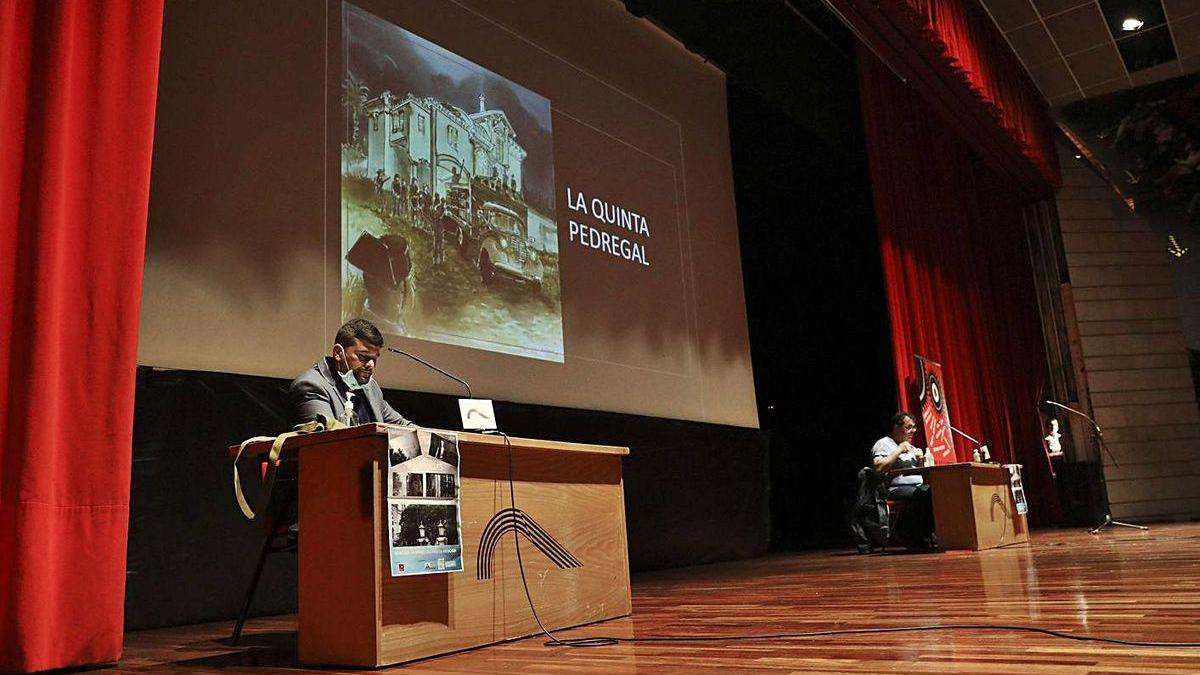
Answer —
(980, 52)
(78, 82)
(959, 278)
(953, 55)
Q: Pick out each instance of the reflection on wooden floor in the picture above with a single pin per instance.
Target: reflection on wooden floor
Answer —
(1124, 584)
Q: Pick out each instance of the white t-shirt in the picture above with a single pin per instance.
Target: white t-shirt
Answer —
(907, 460)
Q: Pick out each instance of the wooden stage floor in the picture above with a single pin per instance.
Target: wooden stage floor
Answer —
(1121, 584)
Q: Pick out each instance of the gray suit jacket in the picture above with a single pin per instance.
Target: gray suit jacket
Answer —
(316, 393)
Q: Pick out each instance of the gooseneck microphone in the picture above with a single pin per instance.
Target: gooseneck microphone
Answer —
(1046, 407)
(980, 451)
(962, 433)
(430, 365)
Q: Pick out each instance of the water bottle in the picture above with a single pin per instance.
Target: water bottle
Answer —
(347, 417)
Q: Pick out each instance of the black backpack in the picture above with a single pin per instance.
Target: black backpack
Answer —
(869, 525)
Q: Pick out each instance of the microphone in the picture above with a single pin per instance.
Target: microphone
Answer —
(477, 414)
(962, 433)
(980, 452)
(1046, 407)
(430, 365)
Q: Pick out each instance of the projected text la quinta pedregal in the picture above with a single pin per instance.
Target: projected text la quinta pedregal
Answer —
(613, 215)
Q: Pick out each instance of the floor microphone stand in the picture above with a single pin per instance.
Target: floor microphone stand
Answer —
(1108, 519)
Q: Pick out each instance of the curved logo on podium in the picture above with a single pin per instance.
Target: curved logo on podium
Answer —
(508, 520)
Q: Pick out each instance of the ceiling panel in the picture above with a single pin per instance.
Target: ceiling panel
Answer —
(1079, 29)
(1178, 9)
(1050, 7)
(1010, 15)
(1060, 101)
(1034, 45)
(1106, 87)
(1187, 36)
(1163, 71)
(1069, 52)
(1097, 65)
(1054, 79)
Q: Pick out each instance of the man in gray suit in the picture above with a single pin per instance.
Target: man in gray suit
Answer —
(345, 375)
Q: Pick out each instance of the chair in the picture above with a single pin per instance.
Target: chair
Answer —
(873, 518)
(280, 525)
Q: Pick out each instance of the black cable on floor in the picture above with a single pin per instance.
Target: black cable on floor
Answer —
(606, 641)
(553, 640)
(907, 629)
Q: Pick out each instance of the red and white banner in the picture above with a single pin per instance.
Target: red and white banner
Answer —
(935, 413)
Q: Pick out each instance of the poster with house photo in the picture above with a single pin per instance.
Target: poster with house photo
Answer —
(422, 502)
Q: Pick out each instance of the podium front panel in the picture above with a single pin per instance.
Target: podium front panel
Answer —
(569, 517)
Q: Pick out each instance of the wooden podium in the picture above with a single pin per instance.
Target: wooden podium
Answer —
(973, 506)
(353, 612)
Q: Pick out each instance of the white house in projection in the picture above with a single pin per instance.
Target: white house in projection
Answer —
(411, 136)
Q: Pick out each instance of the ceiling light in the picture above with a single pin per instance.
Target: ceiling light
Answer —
(1131, 24)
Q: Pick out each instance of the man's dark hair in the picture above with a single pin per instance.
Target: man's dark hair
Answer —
(898, 418)
(358, 329)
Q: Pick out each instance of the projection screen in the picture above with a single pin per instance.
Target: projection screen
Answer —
(538, 200)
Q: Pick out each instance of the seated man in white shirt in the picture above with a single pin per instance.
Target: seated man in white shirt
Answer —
(896, 451)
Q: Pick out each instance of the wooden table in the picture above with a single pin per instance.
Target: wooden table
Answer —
(353, 612)
(973, 505)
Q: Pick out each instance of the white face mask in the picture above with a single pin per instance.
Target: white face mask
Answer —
(351, 381)
(348, 377)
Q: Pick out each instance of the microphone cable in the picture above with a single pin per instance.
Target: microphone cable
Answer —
(608, 641)
(553, 640)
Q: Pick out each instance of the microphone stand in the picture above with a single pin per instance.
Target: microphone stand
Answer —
(430, 365)
(1108, 519)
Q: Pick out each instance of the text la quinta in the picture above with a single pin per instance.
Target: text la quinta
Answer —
(608, 213)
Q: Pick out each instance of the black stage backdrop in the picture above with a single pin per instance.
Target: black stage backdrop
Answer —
(815, 302)
(818, 317)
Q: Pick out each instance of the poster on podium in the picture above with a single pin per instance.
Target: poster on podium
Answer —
(935, 412)
(422, 502)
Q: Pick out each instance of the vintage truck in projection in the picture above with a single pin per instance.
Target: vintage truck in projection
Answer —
(490, 227)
